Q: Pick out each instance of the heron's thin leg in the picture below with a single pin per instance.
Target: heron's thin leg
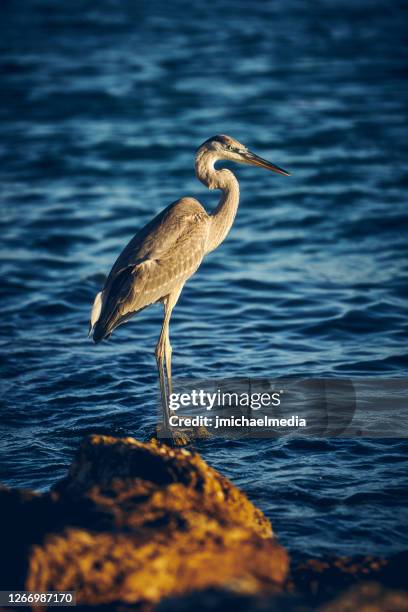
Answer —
(163, 355)
(167, 353)
(169, 304)
(162, 352)
(160, 356)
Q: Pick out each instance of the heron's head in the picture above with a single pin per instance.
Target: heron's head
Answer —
(226, 147)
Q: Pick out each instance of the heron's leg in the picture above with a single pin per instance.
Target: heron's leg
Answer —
(169, 304)
(163, 357)
(160, 357)
(167, 353)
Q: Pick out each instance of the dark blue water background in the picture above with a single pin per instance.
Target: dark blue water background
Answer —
(102, 107)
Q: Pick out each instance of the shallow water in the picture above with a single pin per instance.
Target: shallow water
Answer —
(103, 108)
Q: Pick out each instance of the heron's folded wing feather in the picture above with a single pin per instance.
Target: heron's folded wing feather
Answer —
(171, 255)
(158, 237)
(120, 296)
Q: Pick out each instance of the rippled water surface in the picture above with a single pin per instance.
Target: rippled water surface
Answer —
(103, 107)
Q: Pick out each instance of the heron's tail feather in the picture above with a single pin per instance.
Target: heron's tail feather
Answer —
(98, 333)
(103, 330)
(113, 306)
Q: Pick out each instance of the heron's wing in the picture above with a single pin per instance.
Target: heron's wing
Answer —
(158, 237)
(160, 257)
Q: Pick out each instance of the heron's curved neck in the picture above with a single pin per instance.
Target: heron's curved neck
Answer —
(223, 216)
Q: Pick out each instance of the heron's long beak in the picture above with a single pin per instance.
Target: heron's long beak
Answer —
(255, 160)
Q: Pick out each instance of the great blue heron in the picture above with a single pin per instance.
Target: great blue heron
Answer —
(160, 258)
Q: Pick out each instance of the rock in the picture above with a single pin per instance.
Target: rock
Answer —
(368, 597)
(218, 600)
(138, 522)
(321, 579)
(324, 577)
(362, 597)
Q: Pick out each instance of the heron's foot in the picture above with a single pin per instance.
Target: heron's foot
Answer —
(181, 437)
(175, 437)
(201, 433)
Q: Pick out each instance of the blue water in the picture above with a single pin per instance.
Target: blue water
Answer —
(103, 107)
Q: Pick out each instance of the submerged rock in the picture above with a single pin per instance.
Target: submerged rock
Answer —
(368, 597)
